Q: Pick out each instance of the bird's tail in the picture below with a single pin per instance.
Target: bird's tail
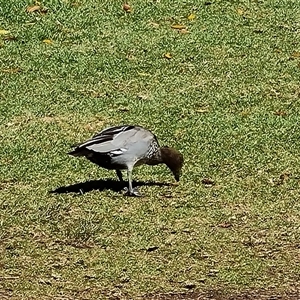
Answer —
(76, 152)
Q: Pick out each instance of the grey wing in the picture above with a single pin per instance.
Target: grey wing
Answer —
(103, 138)
(119, 139)
(136, 142)
(132, 140)
(129, 140)
(133, 135)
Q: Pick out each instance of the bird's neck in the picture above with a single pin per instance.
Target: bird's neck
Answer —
(156, 158)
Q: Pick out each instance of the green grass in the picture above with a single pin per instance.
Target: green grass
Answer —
(228, 99)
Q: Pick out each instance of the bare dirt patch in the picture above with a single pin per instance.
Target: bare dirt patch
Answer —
(221, 295)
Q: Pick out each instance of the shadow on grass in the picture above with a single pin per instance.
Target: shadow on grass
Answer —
(102, 184)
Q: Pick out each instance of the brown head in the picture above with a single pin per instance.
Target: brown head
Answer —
(173, 159)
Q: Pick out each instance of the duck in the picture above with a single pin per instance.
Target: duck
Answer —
(125, 147)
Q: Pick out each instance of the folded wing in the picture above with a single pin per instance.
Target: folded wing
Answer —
(115, 141)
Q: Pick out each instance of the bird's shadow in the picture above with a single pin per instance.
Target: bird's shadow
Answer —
(101, 185)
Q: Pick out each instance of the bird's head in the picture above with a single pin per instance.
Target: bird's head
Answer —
(173, 159)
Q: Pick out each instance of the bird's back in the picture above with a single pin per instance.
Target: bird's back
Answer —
(116, 147)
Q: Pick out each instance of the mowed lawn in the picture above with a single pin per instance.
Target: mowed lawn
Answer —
(218, 80)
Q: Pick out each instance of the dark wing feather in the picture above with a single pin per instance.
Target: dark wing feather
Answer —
(96, 140)
(105, 135)
(113, 130)
(102, 137)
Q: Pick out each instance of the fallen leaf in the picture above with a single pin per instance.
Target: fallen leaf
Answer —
(90, 276)
(56, 276)
(33, 8)
(130, 57)
(284, 177)
(44, 10)
(127, 8)
(168, 196)
(96, 94)
(258, 31)
(142, 96)
(151, 249)
(246, 112)
(75, 4)
(12, 70)
(29, 23)
(224, 225)
(178, 26)
(189, 285)
(280, 113)
(213, 272)
(207, 181)
(168, 55)
(89, 127)
(191, 17)
(48, 41)
(153, 24)
(183, 31)
(4, 32)
(295, 54)
(144, 74)
(9, 38)
(201, 111)
(240, 11)
(123, 109)
(179, 133)
(42, 281)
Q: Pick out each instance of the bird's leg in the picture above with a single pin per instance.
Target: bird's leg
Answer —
(119, 174)
(131, 191)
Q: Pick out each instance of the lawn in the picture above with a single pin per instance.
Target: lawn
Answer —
(218, 80)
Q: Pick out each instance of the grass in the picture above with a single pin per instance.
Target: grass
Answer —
(228, 99)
